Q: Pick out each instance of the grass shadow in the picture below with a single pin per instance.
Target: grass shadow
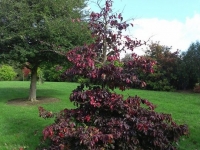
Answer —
(10, 93)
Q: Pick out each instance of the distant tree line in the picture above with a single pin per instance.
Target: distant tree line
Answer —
(34, 39)
(173, 70)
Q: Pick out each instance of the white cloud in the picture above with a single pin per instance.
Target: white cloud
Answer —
(173, 33)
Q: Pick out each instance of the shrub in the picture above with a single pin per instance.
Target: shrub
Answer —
(54, 73)
(104, 120)
(23, 74)
(26, 73)
(160, 85)
(7, 73)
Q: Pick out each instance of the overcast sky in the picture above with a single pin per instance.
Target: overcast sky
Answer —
(174, 23)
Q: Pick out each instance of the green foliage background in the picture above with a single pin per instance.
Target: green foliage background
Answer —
(7, 73)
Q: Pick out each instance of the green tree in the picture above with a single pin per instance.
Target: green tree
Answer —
(165, 71)
(34, 32)
(54, 73)
(189, 67)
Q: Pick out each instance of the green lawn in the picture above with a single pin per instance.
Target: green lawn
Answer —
(20, 126)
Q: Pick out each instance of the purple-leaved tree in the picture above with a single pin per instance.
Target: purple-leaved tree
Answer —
(103, 119)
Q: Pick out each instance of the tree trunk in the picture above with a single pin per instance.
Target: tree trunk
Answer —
(32, 92)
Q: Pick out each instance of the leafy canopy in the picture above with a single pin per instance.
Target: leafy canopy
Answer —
(39, 31)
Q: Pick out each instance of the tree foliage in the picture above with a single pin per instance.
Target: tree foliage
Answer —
(7, 73)
(165, 76)
(54, 73)
(189, 66)
(35, 32)
(104, 119)
(173, 71)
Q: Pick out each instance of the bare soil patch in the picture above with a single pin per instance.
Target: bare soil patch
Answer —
(25, 102)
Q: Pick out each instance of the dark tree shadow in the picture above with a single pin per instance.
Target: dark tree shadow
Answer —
(8, 94)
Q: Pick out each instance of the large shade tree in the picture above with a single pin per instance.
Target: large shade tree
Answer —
(189, 67)
(165, 70)
(34, 32)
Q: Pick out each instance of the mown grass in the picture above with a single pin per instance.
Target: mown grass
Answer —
(20, 126)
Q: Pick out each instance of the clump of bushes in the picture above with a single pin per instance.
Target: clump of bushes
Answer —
(104, 120)
(7, 73)
(53, 73)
